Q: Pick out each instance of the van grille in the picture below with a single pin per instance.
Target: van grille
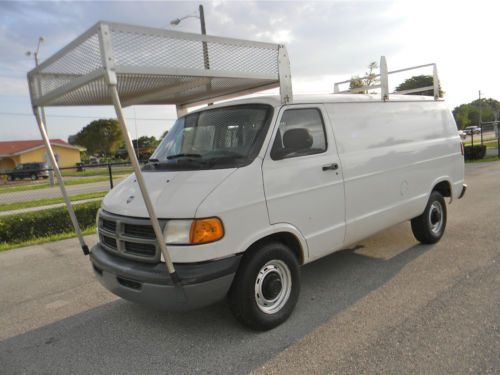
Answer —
(145, 231)
(109, 241)
(140, 249)
(128, 237)
(109, 225)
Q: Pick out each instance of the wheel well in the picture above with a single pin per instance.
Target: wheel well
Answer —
(444, 188)
(285, 238)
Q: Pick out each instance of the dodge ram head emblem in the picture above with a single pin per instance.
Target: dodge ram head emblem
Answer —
(130, 199)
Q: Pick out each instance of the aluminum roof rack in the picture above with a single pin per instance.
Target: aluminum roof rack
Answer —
(384, 82)
(156, 66)
(125, 65)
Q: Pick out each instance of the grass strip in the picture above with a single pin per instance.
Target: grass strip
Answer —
(103, 171)
(492, 143)
(486, 159)
(45, 185)
(49, 201)
(41, 240)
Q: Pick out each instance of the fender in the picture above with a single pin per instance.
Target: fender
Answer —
(273, 229)
(439, 180)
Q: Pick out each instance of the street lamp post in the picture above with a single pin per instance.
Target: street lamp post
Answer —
(201, 17)
(497, 133)
(481, 117)
(42, 110)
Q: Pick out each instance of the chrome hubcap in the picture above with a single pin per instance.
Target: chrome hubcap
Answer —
(436, 217)
(273, 286)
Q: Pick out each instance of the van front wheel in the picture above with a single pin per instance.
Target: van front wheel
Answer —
(266, 287)
(429, 227)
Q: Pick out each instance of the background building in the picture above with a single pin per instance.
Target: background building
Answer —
(13, 153)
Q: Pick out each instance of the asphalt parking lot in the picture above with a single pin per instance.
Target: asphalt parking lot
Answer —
(388, 305)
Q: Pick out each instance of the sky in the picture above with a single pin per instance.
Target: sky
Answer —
(327, 41)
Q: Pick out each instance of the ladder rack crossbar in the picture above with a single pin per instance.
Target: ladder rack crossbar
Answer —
(383, 77)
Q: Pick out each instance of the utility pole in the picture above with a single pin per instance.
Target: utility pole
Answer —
(201, 17)
(42, 110)
(204, 32)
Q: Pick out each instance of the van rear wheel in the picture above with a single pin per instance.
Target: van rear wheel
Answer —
(429, 227)
(266, 287)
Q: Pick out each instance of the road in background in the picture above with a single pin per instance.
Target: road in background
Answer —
(388, 305)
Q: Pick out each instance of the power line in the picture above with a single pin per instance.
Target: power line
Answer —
(85, 117)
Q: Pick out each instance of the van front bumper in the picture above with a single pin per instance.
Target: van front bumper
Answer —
(150, 284)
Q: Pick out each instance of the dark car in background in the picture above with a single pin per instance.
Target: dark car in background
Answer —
(29, 170)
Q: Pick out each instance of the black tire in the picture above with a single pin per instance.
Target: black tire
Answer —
(429, 227)
(266, 263)
(34, 177)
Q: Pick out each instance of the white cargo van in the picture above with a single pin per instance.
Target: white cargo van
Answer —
(239, 195)
(248, 191)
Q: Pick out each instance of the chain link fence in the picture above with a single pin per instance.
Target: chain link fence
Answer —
(482, 142)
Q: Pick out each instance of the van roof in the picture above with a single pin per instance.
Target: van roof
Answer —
(275, 100)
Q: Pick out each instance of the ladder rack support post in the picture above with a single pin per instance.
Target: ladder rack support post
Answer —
(285, 76)
(55, 166)
(181, 110)
(384, 79)
(142, 185)
(435, 81)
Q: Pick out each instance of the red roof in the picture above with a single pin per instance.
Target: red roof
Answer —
(14, 147)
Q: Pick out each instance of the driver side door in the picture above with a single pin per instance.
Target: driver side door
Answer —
(303, 180)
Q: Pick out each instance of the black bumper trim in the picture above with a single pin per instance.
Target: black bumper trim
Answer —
(188, 273)
(464, 189)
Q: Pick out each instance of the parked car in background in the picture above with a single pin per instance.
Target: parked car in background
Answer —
(29, 170)
(472, 130)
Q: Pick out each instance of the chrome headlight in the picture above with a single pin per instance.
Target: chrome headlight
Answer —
(176, 232)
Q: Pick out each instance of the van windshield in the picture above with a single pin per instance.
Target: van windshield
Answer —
(228, 137)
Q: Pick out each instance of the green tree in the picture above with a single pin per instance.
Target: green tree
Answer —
(145, 142)
(468, 114)
(416, 82)
(144, 147)
(101, 136)
(370, 78)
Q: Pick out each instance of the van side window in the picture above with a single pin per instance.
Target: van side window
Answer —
(301, 132)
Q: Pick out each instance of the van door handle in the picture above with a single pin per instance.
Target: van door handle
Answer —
(330, 167)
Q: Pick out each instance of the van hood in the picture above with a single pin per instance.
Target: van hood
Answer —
(175, 194)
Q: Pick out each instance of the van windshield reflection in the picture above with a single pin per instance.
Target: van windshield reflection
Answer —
(228, 137)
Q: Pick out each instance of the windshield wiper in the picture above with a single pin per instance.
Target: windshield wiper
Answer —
(187, 155)
(226, 160)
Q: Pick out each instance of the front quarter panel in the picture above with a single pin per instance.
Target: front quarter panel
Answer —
(240, 203)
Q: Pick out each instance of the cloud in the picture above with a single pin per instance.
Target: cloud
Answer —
(326, 41)
(13, 86)
(276, 36)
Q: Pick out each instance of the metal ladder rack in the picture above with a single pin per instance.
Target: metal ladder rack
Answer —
(121, 65)
(384, 82)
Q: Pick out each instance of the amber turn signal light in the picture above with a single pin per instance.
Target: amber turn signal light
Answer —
(206, 230)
